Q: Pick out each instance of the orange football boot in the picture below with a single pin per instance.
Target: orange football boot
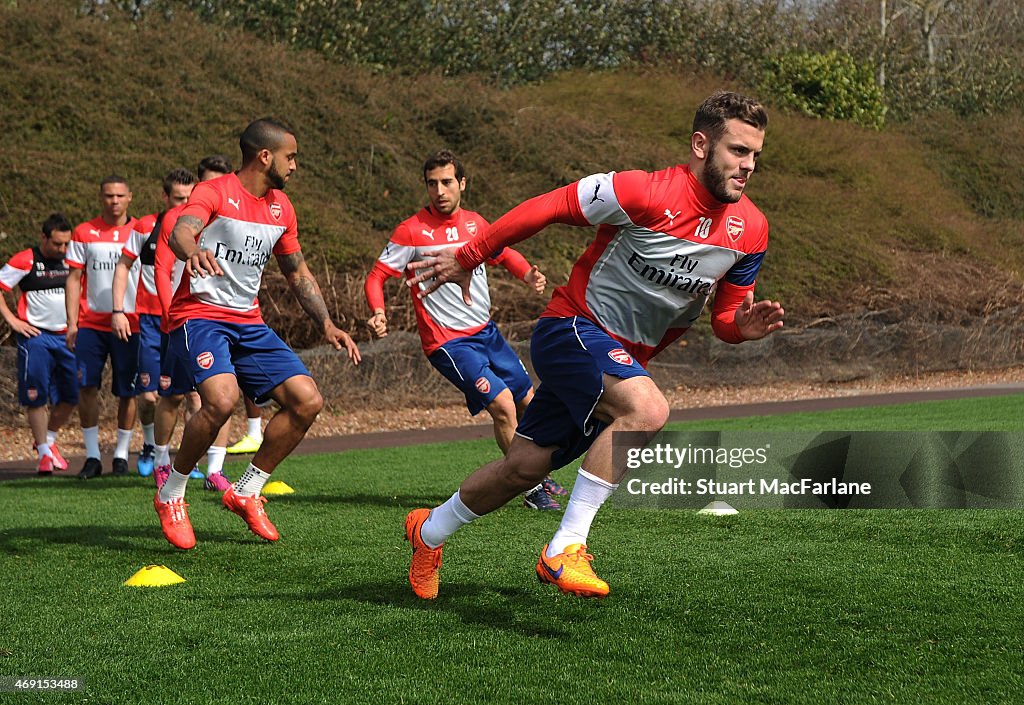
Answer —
(251, 509)
(426, 561)
(174, 522)
(570, 572)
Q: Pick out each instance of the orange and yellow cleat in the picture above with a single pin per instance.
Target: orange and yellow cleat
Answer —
(570, 572)
(426, 561)
(174, 522)
(251, 509)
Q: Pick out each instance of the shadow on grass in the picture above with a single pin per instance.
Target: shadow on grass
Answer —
(512, 609)
(67, 480)
(128, 539)
(402, 501)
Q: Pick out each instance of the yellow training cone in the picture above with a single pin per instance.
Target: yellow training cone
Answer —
(154, 576)
(277, 487)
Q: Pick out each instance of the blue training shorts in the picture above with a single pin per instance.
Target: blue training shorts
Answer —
(252, 352)
(92, 348)
(175, 376)
(149, 353)
(571, 357)
(47, 372)
(482, 366)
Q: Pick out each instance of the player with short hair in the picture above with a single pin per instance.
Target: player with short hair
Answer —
(460, 341)
(225, 235)
(141, 248)
(93, 255)
(666, 242)
(47, 371)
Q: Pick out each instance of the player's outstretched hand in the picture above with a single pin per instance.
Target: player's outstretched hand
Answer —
(536, 279)
(758, 320)
(437, 268)
(340, 339)
(203, 264)
(378, 324)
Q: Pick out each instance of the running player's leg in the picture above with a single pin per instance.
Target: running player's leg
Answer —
(219, 394)
(175, 385)
(268, 369)
(148, 382)
(204, 347)
(250, 442)
(632, 404)
(216, 480)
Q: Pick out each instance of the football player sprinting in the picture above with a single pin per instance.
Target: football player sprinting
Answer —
(666, 241)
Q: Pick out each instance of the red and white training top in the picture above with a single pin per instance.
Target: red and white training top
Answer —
(41, 281)
(167, 268)
(141, 247)
(95, 248)
(241, 231)
(443, 315)
(664, 244)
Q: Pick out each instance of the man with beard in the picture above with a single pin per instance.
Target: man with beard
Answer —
(666, 241)
(225, 235)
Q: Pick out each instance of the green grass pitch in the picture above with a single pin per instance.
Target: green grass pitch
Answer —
(763, 607)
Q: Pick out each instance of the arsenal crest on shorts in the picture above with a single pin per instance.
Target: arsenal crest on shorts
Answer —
(620, 356)
(483, 385)
(205, 360)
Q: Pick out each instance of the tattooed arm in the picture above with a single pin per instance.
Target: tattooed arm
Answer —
(183, 244)
(303, 284)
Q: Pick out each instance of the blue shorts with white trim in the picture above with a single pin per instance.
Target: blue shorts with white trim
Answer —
(571, 357)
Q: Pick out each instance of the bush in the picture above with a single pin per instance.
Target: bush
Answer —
(830, 85)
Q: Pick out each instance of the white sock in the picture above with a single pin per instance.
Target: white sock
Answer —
(250, 484)
(163, 455)
(215, 459)
(43, 449)
(91, 437)
(588, 494)
(255, 428)
(445, 521)
(51, 437)
(124, 440)
(148, 436)
(175, 486)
